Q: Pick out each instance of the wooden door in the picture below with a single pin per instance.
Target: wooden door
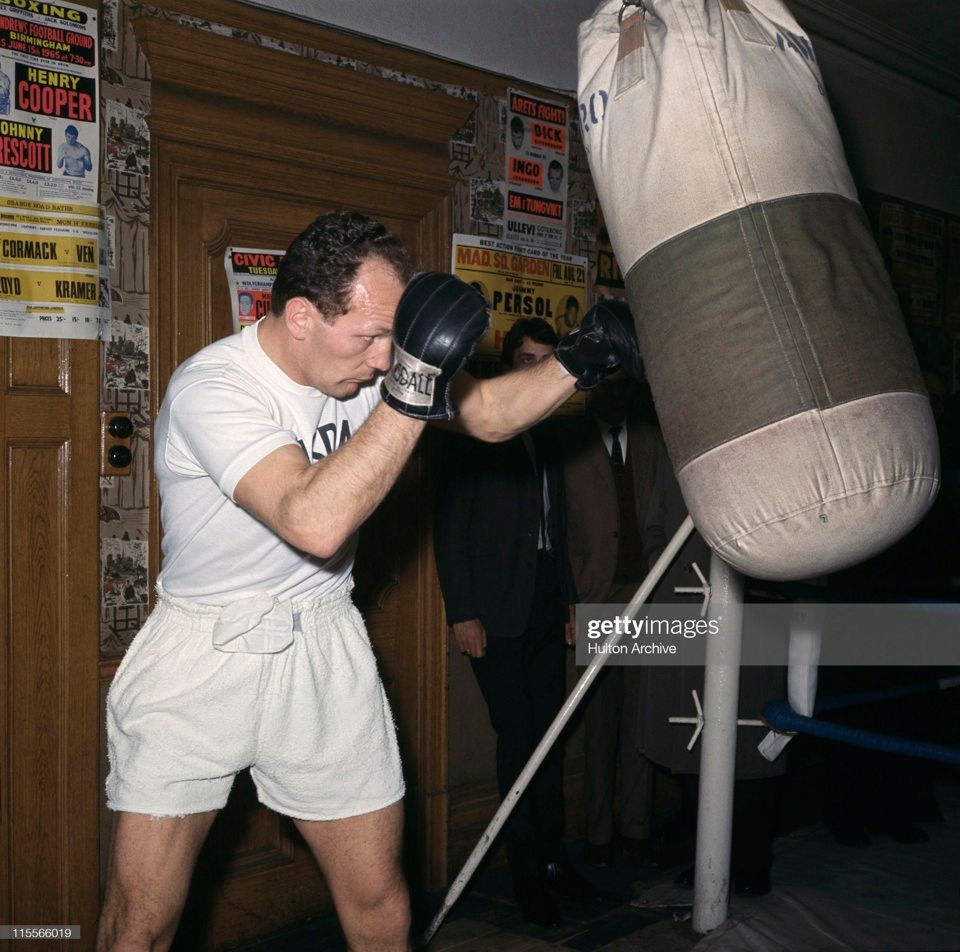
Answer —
(321, 142)
(49, 636)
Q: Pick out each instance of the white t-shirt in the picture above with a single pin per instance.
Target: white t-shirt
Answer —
(226, 408)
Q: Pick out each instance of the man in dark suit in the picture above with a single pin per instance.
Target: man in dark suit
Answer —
(502, 562)
(611, 458)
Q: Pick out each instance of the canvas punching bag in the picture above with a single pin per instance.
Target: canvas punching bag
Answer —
(789, 395)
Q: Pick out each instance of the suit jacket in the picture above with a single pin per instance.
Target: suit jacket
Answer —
(486, 529)
(593, 516)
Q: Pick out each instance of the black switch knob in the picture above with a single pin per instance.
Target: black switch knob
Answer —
(119, 456)
(120, 428)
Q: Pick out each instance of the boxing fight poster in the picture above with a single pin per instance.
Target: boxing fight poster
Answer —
(53, 269)
(536, 174)
(250, 275)
(49, 96)
(521, 282)
(54, 278)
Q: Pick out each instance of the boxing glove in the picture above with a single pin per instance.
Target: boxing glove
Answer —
(605, 341)
(439, 321)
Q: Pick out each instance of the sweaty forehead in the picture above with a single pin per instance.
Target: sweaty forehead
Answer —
(376, 291)
(368, 320)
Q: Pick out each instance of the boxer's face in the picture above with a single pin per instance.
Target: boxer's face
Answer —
(357, 346)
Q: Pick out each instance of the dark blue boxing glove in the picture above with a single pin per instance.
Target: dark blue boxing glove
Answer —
(439, 321)
(605, 341)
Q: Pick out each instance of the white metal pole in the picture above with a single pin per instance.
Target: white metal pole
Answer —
(554, 730)
(718, 748)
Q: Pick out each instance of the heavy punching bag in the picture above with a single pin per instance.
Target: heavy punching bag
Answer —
(789, 395)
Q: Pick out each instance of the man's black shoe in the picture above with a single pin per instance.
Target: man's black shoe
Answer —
(565, 881)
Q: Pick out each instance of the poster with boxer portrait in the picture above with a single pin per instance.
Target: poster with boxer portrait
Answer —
(521, 282)
(250, 276)
(536, 173)
(53, 267)
(49, 98)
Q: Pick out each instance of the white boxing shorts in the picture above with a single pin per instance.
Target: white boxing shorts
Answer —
(288, 689)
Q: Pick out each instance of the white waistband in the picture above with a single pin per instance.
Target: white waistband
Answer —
(260, 623)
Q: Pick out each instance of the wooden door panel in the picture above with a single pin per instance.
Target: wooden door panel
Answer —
(255, 874)
(39, 366)
(48, 632)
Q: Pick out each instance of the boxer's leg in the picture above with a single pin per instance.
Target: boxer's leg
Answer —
(360, 859)
(151, 862)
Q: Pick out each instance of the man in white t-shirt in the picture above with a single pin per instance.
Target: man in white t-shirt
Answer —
(272, 447)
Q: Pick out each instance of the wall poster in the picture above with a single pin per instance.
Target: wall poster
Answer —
(537, 171)
(53, 267)
(250, 275)
(520, 282)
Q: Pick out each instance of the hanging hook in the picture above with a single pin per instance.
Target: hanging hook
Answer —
(631, 3)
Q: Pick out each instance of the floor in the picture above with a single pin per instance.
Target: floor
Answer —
(885, 896)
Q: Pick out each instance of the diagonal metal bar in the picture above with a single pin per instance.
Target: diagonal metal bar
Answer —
(554, 730)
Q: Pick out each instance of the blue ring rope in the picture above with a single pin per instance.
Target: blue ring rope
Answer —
(781, 717)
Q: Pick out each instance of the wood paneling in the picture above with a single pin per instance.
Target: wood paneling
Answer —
(38, 366)
(247, 20)
(48, 633)
(36, 471)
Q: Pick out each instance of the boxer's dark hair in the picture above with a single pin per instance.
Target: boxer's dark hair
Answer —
(536, 328)
(322, 261)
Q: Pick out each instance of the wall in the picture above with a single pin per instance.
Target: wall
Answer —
(901, 134)
(476, 154)
(902, 137)
(902, 140)
(535, 40)
(125, 195)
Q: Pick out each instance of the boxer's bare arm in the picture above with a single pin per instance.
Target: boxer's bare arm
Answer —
(498, 408)
(318, 506)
